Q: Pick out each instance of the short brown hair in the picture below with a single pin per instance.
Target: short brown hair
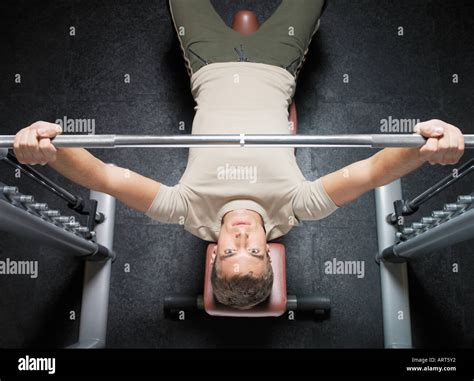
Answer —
(242, 291)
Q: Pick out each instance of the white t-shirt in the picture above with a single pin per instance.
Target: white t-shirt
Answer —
(233, 98)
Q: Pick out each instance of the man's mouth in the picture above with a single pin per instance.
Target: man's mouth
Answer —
(238, 223)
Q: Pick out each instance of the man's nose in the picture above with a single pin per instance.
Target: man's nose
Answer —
(241, 234)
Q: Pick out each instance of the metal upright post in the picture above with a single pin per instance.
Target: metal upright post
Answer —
(394, 279)
(95, 295)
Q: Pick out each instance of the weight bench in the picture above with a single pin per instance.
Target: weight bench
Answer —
(276, 305)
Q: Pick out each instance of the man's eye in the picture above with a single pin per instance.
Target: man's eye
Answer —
(228, 251)
(254, 251)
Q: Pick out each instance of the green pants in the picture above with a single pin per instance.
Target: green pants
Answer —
(282, 40)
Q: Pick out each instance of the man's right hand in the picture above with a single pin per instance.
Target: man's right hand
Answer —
(33, 145)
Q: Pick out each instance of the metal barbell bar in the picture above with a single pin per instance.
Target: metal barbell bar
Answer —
(240, 140)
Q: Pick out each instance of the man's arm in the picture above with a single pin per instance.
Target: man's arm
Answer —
(351, 182)
(445, 145)
(81, 167)
(33, 146)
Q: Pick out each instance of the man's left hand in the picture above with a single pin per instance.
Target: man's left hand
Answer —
(445, 144)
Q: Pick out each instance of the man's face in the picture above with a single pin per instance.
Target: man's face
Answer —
(242, 245)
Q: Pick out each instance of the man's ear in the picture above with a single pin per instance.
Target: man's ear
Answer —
(213, 257)
(268, 253)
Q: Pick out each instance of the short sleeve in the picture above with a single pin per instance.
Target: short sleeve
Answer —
(311, 201)
(169, 205)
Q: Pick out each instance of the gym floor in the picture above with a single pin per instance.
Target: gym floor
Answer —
(81, 76)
